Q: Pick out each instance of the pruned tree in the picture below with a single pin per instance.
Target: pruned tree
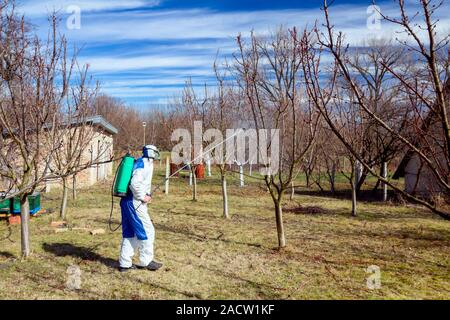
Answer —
(76, 133)
(426, 89)
(330, 155)
(269, 73)
(34, 83)
(222, 116)
(370, 63)
(195, 110)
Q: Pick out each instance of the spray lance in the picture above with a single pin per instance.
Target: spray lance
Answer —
(124, 174)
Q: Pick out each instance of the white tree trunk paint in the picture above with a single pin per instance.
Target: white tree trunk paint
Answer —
(208, 166)
(358, 172)
(241, 176)
(292, 190)
(225, 197)
(167, 175)
(385, 186)
(24, 225)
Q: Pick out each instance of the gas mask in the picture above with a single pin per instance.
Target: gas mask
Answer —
(151, 152)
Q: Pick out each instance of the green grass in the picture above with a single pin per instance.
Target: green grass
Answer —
(207, 257)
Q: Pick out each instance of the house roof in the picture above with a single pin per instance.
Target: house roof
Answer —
(400, 172)
(101, 122)
(97, 120)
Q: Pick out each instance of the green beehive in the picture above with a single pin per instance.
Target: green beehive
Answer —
(34, 200)
(4, 206)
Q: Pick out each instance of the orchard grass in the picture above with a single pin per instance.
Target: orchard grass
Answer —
(208, 257)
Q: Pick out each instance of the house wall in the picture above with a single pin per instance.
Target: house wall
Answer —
(101, 147)
(420, 180)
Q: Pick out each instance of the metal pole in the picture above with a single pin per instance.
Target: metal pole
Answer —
(144, 124)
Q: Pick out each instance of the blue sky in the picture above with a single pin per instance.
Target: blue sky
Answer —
(143, 51)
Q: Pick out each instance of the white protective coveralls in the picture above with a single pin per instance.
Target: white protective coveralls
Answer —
(137, 228)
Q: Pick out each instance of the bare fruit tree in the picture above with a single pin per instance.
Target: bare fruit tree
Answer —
(194, 107)
(425, 90)
(371, 62)
(222, 118)
(270, 75)
(34, 83)
(77, 132)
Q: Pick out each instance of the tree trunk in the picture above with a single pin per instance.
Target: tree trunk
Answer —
(225, 197)
(375, 189)
(241, 176)
(308, 182)
(24, 225)
(385, 186)
(194, 188)
(166, 190)
(333, 179)
(280, 225)
(353, 200)
(292, 190)
(74, 187)
(63, 208)
(359, 175)
(353, 183)
(208, 166)
(354, 179)
(362, 179)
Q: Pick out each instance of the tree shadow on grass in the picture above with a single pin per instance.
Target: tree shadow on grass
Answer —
(374, 213)
(363, 195)
(87, 254)
(83, 253)
(266, 291)
(7, 255)
(202, 237)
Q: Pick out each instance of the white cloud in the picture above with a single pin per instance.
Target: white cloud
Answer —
(183, 43)
(39, 8)
(204, 24)
(109, 64)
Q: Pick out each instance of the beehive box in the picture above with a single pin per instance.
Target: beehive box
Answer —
(34, 201)
(4, 206)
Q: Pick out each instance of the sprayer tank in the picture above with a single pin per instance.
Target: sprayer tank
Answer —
(123, 178)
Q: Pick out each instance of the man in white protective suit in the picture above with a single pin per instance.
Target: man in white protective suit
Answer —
(137, 228)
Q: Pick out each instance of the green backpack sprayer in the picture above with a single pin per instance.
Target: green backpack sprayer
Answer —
(121, 183)
(123, 176)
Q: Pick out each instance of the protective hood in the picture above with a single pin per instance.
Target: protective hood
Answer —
(151, 152)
